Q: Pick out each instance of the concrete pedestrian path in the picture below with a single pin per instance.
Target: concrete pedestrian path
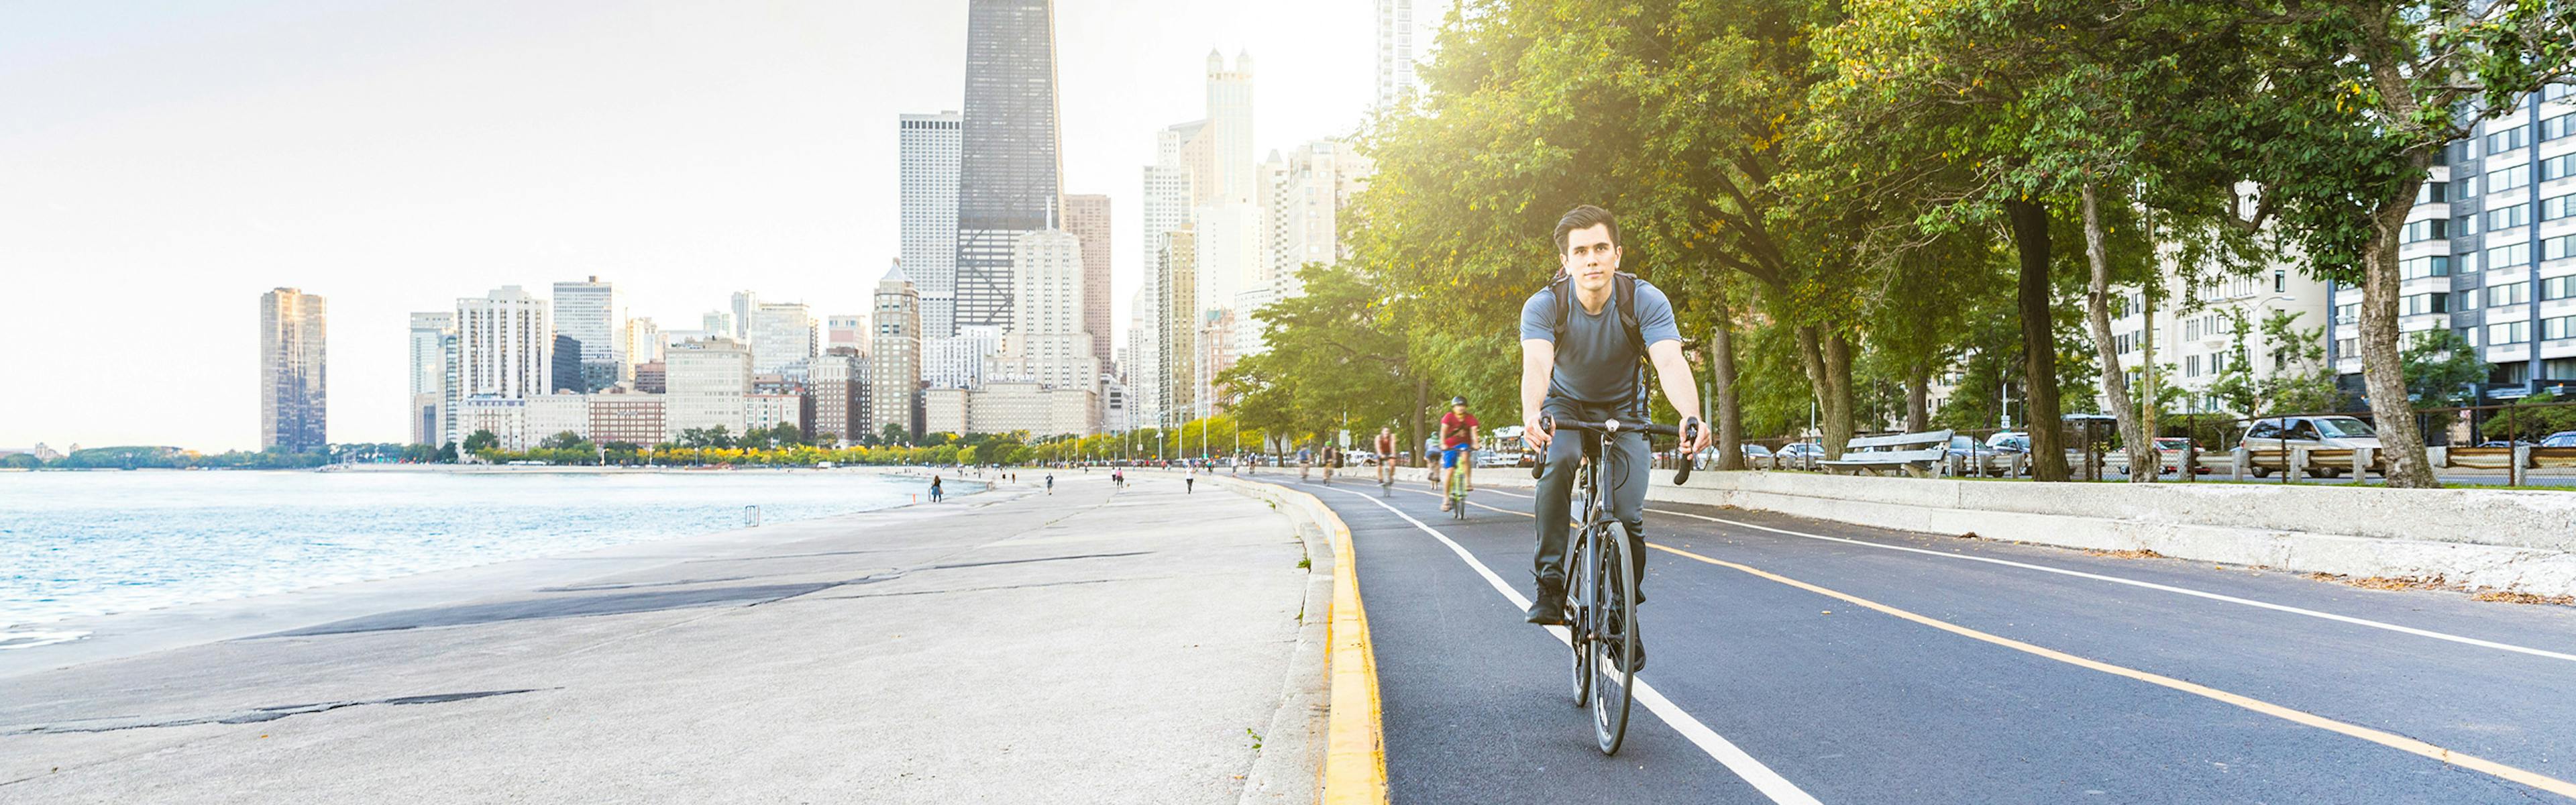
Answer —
(1087, 646)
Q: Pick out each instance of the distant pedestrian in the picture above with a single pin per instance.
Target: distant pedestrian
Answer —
(1189, 484)
(1050, 483)
(934, 489)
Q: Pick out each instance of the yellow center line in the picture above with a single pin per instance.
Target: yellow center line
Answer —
(2391, 740)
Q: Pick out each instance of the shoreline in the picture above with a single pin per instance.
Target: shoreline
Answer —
(85, 639)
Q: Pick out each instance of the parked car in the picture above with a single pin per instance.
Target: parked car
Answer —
(1798, 454)
(1974, 457)
(2314, 433)
(1755, 456)
(2169, 448)
(2564, 438)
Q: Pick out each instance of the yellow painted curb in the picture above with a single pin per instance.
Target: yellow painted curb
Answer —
(1354, 735)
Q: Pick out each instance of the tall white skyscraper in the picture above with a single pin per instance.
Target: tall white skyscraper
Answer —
(744, 302)
(504, 344)
(928, 182)
(1303, 199)
(433, 337)
(1229, 120)
(1405, 31)
(643, 344)
(587, 312)
(781, 335)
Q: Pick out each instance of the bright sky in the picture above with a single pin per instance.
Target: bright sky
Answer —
(162, 164)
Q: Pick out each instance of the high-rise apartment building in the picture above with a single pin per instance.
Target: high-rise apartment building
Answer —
(1303, 199)
(1087, 217)
(433, 339)
(706, 382)
(1176, 285)
(630, 417)
(1142, 364)
(838, 386)
(744, 302)
(782, 335)
(894, 357)
(292, 404)
(1047, 345)
(1009, 167)
(928, 181)
(643, 344)
(957, 362)
(587, 311)
(564, 373)
(1405, 31)
(2490, 251)
(1229, 121)
(504, 346)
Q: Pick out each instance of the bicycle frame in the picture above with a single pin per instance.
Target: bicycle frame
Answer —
(1601, 579)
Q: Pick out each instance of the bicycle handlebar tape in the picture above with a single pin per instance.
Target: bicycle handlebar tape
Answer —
(1538, 463)
(1690, 433)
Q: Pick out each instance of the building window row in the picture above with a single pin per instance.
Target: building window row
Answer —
(2424, 230)
(2421, 267)
(2559, 126)
(2508, 139)
(2509, 217)
(2558, 329)
(2509, 255)
(2511, 293)
(2347, 313)
(2508, 178)
(2557, 167)
(2558, 248)
(2510, 332)
(2413, 305)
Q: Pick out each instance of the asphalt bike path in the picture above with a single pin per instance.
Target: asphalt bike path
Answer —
(2003, 673)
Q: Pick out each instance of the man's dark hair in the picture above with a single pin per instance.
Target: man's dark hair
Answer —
(1585, 217)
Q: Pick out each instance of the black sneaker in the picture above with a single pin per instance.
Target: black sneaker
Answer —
(1641, 659)
(1549, 609)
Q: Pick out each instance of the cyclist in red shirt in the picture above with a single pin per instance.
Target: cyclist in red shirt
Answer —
(1458, 435)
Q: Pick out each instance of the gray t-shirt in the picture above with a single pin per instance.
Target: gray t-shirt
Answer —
(1595, 364)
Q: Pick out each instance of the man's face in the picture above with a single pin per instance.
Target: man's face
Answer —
(1460, 409)
(1590, 257)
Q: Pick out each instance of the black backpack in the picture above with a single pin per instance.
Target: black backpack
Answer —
(1623, 297)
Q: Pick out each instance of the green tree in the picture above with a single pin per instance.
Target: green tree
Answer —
(893, 434)
(481, 441)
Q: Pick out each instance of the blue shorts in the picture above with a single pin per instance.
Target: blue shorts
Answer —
(1449, 456)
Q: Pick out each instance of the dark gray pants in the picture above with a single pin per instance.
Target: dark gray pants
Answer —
(1623, 475)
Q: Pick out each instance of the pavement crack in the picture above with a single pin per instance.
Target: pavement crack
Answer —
(264, 714)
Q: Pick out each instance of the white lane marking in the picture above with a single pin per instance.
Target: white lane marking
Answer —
(2472, 641)
(2152, 586)
(1763, 779)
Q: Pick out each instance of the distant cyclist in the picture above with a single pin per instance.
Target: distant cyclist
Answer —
(1385, 455)
(1305, 461)
(1582, 340)
(1458, 435)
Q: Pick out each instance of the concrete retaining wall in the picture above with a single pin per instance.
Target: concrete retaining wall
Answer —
(2505, 539)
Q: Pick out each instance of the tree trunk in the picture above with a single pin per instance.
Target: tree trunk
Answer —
(2382, 370)
(1828, 363)
(1730, 409)
(2039, 349)
(1918, 397)
(2145, 465)
(1414, 426)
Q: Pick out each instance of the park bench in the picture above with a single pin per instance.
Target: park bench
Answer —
(1918, 453)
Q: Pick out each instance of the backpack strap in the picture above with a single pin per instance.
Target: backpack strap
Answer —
(1562, 289)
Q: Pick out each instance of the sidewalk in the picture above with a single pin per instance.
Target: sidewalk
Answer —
(1008, 647)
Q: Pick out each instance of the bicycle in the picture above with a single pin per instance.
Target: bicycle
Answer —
(1455, 487)
(1601, 582)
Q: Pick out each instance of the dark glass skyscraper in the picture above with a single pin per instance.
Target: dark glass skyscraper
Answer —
(1008, 169)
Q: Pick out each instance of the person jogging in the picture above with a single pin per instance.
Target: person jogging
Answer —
(1582, 340)
(1458, 437)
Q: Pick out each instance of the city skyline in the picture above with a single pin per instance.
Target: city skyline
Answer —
(433, 239)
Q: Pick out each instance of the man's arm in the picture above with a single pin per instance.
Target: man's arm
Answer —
(1538, 364)
(1679, 388)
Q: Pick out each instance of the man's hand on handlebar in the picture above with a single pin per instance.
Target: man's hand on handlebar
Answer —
(1534, 432)
(1695, 439)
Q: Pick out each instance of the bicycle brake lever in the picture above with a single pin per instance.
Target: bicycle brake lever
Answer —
(1690, 433)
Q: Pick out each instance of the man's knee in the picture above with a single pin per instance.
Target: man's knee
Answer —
(1563, 460)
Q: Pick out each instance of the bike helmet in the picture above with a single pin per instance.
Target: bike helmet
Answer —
(1457, 401)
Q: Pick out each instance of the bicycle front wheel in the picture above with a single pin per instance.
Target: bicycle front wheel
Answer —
(1614, 643)
(1580, 584)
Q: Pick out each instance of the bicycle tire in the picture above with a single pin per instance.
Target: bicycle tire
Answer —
(1615, 636)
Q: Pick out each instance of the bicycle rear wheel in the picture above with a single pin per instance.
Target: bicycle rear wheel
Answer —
(1614, 643)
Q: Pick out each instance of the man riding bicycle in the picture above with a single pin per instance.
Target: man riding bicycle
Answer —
(1582, 338)
(1458, 437)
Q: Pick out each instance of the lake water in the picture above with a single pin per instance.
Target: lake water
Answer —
(76, 544)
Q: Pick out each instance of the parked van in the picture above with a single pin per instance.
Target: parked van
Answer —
(2313, 433)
